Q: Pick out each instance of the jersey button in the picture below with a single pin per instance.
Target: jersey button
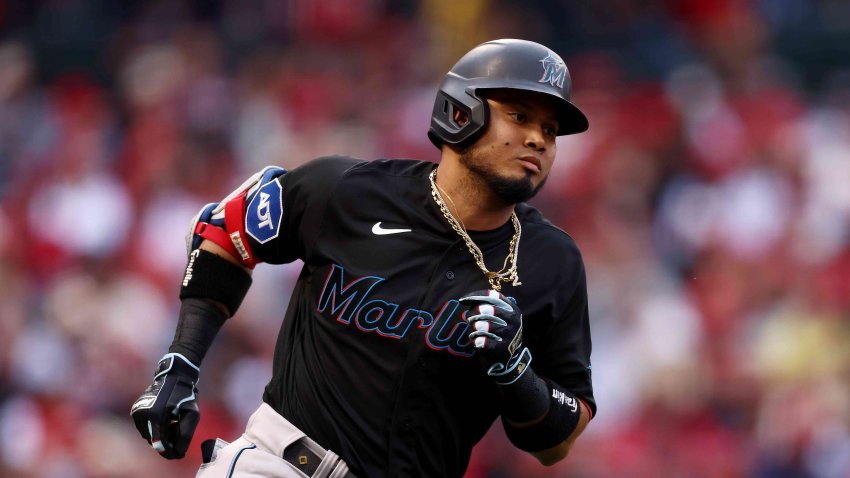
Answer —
(450, 275)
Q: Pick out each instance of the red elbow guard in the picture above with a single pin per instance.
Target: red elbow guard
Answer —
(228, 223)
(232, 237)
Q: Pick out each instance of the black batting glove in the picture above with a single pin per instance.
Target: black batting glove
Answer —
(496, 324)
(167, 412)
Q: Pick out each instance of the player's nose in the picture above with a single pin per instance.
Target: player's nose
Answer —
(535, 140)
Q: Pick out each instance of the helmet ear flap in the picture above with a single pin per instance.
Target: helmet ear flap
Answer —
(454, 99)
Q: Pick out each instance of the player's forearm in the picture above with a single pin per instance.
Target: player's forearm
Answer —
(541, 417)
(560, 451)
(224, 254)
(215, 275)
(213, 287)
(197, 326)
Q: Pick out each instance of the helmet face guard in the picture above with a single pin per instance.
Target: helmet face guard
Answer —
(500, 64)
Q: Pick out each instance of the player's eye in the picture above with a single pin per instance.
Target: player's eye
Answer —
(518, 117)
(550, 130)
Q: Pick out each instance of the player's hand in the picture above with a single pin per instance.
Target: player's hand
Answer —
(167, 412)
(496, 324)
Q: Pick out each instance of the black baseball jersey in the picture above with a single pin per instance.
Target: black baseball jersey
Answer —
(373, 360)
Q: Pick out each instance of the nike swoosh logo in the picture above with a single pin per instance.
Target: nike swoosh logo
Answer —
(380, 231)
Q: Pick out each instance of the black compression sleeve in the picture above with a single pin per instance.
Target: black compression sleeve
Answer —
(210, 282)
(198, 325)
(526, 399)
(560, 421)
(209, 276)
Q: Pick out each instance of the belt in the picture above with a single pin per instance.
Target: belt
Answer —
(314, 461)
(272, 432)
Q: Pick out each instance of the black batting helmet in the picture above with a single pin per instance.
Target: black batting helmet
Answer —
(500, 64)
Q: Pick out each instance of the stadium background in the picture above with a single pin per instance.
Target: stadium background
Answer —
(711, 199)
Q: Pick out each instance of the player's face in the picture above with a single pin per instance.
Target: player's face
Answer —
(515, 153)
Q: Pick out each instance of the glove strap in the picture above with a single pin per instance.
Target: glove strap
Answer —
(178, 363)
(516, 367)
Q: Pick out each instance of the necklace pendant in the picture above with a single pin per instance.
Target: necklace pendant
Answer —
(493, 279)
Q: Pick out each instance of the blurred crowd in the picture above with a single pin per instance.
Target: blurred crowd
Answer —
(710, 198)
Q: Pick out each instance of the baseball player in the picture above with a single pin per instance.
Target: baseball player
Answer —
(433, 300)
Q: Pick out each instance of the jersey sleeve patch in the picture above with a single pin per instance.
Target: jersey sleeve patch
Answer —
(264, 213)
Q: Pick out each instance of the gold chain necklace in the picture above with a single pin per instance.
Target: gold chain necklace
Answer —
(508, 272)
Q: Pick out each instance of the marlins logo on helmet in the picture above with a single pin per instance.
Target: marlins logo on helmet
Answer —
(554, 70)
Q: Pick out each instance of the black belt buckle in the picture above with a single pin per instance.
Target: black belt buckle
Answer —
(302, 458)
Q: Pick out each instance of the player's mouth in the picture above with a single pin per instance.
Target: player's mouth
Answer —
(531, 163)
